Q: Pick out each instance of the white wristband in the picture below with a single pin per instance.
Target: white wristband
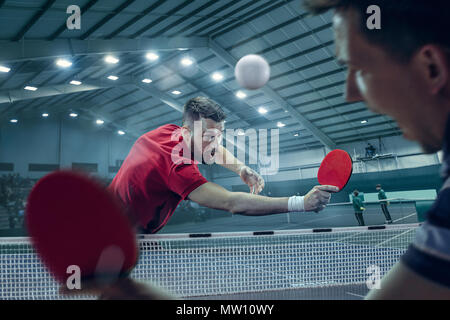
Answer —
(296, 204)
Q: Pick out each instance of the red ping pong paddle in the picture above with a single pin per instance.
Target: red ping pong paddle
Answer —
(73, 220)
(336, 169)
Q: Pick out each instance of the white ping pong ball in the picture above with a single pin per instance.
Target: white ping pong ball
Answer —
(252, 72)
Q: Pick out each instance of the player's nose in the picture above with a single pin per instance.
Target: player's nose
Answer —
(352, 93)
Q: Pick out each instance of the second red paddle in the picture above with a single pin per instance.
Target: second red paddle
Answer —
(73, 221)
(336, 169)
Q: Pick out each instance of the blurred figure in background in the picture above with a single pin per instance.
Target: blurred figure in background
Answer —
(14, 191)
(384, 204)
(370, 151)
(358, 205)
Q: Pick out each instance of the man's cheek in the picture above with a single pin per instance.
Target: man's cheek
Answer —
(367, 90)
(206, 146)
(361, 84)
(209, 154)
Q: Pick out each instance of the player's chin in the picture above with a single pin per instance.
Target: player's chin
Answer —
(208, 161)
(429, 148)
(427, 145)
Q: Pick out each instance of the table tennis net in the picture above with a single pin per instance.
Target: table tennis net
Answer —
(199, 265)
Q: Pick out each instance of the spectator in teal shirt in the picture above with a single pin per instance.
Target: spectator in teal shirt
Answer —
(358, 205)
(384, 203)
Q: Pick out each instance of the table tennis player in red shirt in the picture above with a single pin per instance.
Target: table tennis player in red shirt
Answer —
(161, 170)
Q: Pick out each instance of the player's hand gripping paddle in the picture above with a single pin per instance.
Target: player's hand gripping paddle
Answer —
(74, 221)
(336, 169)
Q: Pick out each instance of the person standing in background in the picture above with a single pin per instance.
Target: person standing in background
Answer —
(358, 205)
(384, 203)
(370, 151)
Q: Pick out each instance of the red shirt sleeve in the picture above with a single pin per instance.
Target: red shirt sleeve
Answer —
(185, 178)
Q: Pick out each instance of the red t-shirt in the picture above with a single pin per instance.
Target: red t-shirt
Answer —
(149, 184)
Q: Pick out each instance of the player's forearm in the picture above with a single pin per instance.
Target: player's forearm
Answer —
(228, 161)
(250, 204)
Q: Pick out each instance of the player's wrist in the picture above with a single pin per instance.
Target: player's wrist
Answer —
(296, 204)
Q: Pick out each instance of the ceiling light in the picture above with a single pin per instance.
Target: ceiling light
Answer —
(4, 69)
(114, 78)
(120, 132)
(45, 115)
(13, 120)
(364, 121)
(99, 122)
(186, 62)
(147, 80)
(63, 63)
(176, 92)
(241, 95)
(30, 88)
(75, 82)
(280, 124)
(73, 114)
(111, 59)
(262, 110)
(217, 76)
(152, 56)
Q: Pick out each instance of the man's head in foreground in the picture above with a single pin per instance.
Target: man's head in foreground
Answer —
(401, 70)
(203, 125)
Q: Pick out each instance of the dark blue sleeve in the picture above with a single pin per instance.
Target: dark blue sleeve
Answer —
(429, 254)
(427, 266)
(439, 213)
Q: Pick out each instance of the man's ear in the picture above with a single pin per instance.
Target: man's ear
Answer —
(186, 134)
(432, 63)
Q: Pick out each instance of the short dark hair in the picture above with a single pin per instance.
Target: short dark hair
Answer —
(378, 186)
(202, 107)
(406, 25)
(355, 192)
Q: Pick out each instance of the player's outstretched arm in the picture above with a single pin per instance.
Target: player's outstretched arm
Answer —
(214, 196)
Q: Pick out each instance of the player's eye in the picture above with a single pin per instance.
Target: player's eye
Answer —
(208, 138)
